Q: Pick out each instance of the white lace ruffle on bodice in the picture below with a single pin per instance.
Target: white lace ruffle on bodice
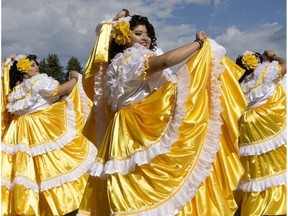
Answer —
(260, 85)
(126, 80)
(32, 95)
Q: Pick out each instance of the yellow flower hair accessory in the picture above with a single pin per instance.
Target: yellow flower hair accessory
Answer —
(121, 32)
(249, 60)
(24, 65)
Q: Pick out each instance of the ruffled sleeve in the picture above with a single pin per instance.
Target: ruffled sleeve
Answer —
(260, 85)
(158, 79)
(126, 77)
(33, 94)
(47, 87)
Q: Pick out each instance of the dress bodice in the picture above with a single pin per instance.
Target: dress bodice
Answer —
(33, 94)
(126, 78)
(260, 85)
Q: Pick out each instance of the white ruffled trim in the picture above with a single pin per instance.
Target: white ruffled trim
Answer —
(99, 109)
(190, 185)
(118, 77)
(126, 19)
(263, 147)
(267, 87)
(37, 82)
(6, 183)
(84, 99)
(172, 205)
(261, 185)
(55, 182)
(10, 61)
(69, 177)
(22, 99)
(98, 86)
(21, 181)
(50, 146)
(144, 157)
(258, 103)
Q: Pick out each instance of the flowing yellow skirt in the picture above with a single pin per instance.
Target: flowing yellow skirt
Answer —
(176, 152)
(262, 190)
(45, 158)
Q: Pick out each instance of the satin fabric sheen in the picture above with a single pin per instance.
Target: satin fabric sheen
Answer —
(98, 55)
(47, 125)
(257, 125)
(151, 185)
(5, 90)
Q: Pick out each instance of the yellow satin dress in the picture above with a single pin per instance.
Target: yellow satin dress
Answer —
(5, 90)
(172, 152)
(44, 156)
(262, 189)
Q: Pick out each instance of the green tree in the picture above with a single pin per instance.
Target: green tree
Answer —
(73, 64)
(53, 68)
(43, 66)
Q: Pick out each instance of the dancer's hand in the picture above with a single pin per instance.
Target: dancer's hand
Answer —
(201, 35)
(122, 13)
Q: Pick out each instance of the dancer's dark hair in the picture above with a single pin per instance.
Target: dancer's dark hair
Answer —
(247, 70)
(135, 21)
(16, 76)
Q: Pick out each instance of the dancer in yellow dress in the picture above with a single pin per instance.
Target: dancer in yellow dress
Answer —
(262, 142)
(44, 156)
(167, 143)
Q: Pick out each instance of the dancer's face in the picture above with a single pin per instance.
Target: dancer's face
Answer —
(34, 69)
(140, 35)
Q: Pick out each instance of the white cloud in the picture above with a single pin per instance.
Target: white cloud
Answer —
(172, 37)
(67, 27)
(269, 36)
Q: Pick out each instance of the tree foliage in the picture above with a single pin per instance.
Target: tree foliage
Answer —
(73, 64)
(43, 65)
(52, 67)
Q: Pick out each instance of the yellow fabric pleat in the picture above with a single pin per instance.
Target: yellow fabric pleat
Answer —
(126, 140)
(98, 55)
(151, 185)
(269, 119)
(215, 195)
(97, 59)
(257, 125)
(41, 128)
(272, 163)
(6, 117)
(272, 201)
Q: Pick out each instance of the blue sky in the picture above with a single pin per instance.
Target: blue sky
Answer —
(241, 13)
(67, 27)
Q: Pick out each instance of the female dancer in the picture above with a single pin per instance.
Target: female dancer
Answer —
(44, 155)
(167, 142)
(262, 142)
